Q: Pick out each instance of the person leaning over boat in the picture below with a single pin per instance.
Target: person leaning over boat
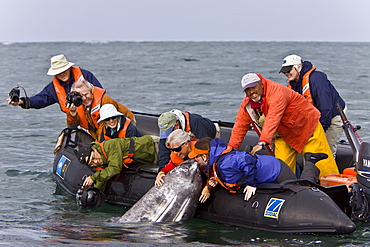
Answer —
(289, 114)
(233, 167)
(189, 122)
(56, 91)
(180, 143)
(113, 124)
(109, 157)
(87, 115)
(317, 89)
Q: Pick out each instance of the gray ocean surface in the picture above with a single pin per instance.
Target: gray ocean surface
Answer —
(150, 77)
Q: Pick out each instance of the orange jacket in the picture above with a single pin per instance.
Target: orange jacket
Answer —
(73, 122)
(90, 121)
(102, 131)
(287, 113)
(61, 92)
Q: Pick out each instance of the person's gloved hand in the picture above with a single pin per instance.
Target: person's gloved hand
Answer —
(249, 192)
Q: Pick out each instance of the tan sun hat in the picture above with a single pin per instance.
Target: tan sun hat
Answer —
(59, 64)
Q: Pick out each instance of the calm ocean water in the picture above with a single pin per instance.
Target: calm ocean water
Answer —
(151, 77)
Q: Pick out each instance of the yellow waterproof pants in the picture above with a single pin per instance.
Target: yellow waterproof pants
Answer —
(316, 144)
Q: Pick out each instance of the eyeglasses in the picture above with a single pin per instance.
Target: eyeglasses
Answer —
(178, 149)
(111, 118)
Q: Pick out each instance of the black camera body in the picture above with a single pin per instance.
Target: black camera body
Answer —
(14, 94)
(75, 98)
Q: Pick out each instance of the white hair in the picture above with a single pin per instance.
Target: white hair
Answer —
(81, 83)
(178, 136)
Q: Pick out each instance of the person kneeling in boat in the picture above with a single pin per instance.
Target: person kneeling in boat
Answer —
(109, 157)
(229, 166)
(113, 124)
(180, 143)
(87, 115)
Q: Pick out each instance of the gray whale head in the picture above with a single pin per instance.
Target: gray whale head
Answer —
(176, 200)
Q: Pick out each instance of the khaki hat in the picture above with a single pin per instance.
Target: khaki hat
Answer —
(59, 64)
(166, 122)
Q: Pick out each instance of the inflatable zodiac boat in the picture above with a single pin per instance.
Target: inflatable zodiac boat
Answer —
(295, 206)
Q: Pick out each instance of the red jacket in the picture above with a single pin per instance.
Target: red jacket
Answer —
(287, 113)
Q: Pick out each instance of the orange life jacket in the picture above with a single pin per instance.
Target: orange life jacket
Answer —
(306, 92)
(127, 159)
(61, 92)
(177, 160)
(94, 110)
(230, 187)
(187, 118)
(121, 132)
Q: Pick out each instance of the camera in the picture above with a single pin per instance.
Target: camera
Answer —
(14, 94)
(75, 98)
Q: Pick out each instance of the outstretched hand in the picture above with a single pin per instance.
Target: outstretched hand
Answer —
(212, 181)
(88, 181)
(249, 192)
(206, 192)
(159, 179)
(255, 149)
(72, 109)
(13, 103)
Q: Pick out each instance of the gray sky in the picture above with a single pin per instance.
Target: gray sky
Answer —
(186, 20)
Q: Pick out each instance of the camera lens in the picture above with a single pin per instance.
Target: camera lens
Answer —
(78, 101)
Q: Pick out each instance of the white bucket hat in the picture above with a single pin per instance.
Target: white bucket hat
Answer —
(108, 111)
(59, 64)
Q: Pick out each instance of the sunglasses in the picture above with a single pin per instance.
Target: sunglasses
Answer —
(111, 118)
(178, 149)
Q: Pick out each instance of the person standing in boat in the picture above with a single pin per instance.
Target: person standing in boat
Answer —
(235, 169)
(88, 114)
(315, 86)
(65, 74)
(109, 157)
(288, 113)
(180, 143)
(189, 122)
(113, 124)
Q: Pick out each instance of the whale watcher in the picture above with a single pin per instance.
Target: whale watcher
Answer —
(113, 124)
(109, 157)
(180, 143)
(189, 122)
(287, 113)
(87, 114)
(235, 170)
(315, 86)
(64, 74)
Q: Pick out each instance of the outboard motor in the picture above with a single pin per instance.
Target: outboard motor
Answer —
(360, 197)
(89, 197)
